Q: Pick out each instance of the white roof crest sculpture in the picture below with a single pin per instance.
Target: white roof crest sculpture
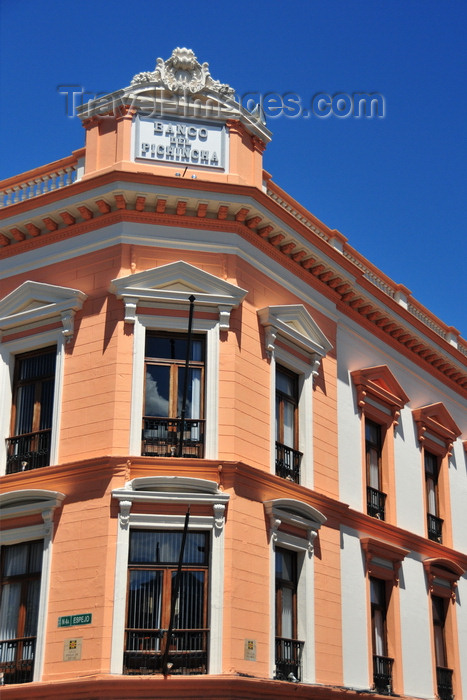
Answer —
(183, 73)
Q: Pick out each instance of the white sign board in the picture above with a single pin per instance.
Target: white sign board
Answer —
(194, 144)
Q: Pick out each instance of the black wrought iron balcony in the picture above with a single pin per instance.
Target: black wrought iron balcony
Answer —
(188, 653)
(375, 502)
(28, 451)
(435, 528)
(444, 682)
(162, 437)
(288, 659)
(17, 660)
(288, 462)
(382, 674)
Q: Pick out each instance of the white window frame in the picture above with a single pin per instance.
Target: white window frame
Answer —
(26, 309)
(180, 491)
(8, 352)
(169, 287)
(15, 504)
(303, 516)
(294, 326)
(209, 328)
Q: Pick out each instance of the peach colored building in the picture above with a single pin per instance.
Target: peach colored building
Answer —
(232, 461)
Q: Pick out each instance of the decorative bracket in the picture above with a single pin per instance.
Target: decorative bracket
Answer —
(125, 508)
(219, 515)
(68, 322)
(47, 517)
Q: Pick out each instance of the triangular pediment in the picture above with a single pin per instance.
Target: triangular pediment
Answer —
(172, 285)
(380, 381)
(33, 302)
(435, 418)
(293, 323)
(178, 276)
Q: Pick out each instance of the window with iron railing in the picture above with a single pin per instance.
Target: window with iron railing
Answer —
(28, 446)
(434, 522)
(21, 566)
(373, 450)
(382, 664)
(288, 648)
(153, 562)
(164, 432)
(288, 457)
(443, 673)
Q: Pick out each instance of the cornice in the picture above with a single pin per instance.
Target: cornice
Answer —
(245, 480)
(312, 258)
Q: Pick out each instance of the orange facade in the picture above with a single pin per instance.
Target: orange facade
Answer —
(313, 425)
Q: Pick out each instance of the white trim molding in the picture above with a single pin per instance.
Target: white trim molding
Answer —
(34, 303)
(15, 504)
(169, 288)
(171, 285)
(8, 352)
(299, 515)
(154, 491)
(297, 332)
(296, 328)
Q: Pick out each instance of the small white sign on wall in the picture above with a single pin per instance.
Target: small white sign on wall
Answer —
(194, 144)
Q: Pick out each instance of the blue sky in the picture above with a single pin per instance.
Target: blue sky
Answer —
(396, 186)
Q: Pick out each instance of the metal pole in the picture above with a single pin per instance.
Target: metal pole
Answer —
(173, 600)
(191, 299)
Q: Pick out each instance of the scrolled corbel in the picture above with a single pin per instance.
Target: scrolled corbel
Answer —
(275, 524)
(270, 340)
(68, 322)
(219, 515)
(130, 309)
(312, 535)
(224, 318)
(47, 517)
(124, 515)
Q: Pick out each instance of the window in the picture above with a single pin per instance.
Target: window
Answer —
(25, 570)
(436, 432)
(156, 591)
(373, 452)
(443, 575)
(287, 455)
(164, 391)
(434, 522)
(288, 647)
(21, 566)
(383, 562)
(158, 300)
(443, 673)
(380, 399)
(33, 317)
(148, 549)
(31, 420)
(295, 346)
(294, 526)
(382, 664)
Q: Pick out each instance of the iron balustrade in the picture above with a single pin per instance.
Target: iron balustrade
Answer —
(382, 674)
(444, 682)
(28, 451)
(289, 659)
(435, 528)
(161, 437)
(375, 502)
(188, 653)
(17, 660)
(288, 462)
